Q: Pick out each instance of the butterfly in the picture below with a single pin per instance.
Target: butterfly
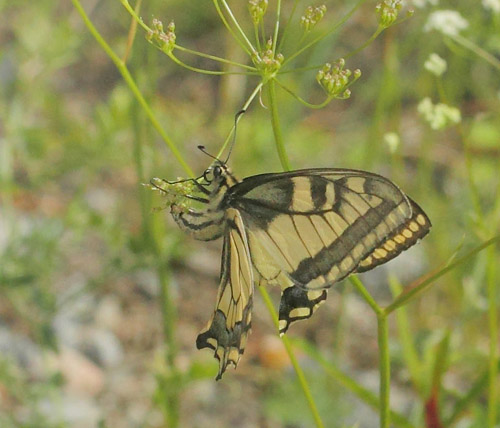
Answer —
(303, 230)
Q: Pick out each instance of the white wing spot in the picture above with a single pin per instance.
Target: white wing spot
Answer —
(300, 312)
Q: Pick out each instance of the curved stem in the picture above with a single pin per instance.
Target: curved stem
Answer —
(301, 100)
(122, 68)
(278, 136)
(215, 58)
(133, 13)
(480, 52)
(300, 374)
(364, 45)
(202, 71)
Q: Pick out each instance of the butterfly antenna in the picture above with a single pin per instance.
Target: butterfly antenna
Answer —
(203, 150)
(236, 120)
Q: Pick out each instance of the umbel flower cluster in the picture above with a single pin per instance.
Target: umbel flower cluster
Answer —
(265, 51)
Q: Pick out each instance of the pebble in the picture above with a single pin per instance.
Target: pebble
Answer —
(22, 351)
(81, 375)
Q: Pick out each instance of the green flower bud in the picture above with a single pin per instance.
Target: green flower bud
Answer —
(257, 9)
(268, 62)
(158, 37)
(335, 80)
(387, 12)
(312, 16)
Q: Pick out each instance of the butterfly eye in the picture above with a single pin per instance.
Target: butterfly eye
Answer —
(217, 171)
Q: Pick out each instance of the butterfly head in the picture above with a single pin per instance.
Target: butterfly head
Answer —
(218, 174)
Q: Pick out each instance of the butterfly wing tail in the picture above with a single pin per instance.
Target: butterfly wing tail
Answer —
(226, 333)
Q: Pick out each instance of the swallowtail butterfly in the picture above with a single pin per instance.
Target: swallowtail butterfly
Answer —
(303, 230)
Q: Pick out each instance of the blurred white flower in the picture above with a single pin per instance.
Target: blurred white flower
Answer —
(493, 5)
(439, 116)
(422, 3)
(392, 140)
(448, 22)
(435, 64)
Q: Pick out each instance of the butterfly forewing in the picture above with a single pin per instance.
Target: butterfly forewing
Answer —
(319, 225)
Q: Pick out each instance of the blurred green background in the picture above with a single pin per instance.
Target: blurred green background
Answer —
(102, 297)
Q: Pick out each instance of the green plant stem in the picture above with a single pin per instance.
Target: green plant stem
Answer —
(238, 27)
(300, 374)
(277, 25)
(287, 25)
(364, 45)
(474, 191)
(256, 35)
(301, 100)
(132, 32)
(492, 285)
(440, 363)
(203, 71)
(480, 52)
(385, 370)
(278, 136)
(133, 13)
(263, 32)
(122, 68)
(365, 294)
(424, 282)
(214, 58)
(410, 353)
(228, 27)
(383, 349)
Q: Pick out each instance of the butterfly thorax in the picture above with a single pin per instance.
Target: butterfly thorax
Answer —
(208, 222)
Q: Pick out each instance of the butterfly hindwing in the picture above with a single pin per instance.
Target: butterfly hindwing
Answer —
(399, 240)
(227, 331)
(296, 303)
